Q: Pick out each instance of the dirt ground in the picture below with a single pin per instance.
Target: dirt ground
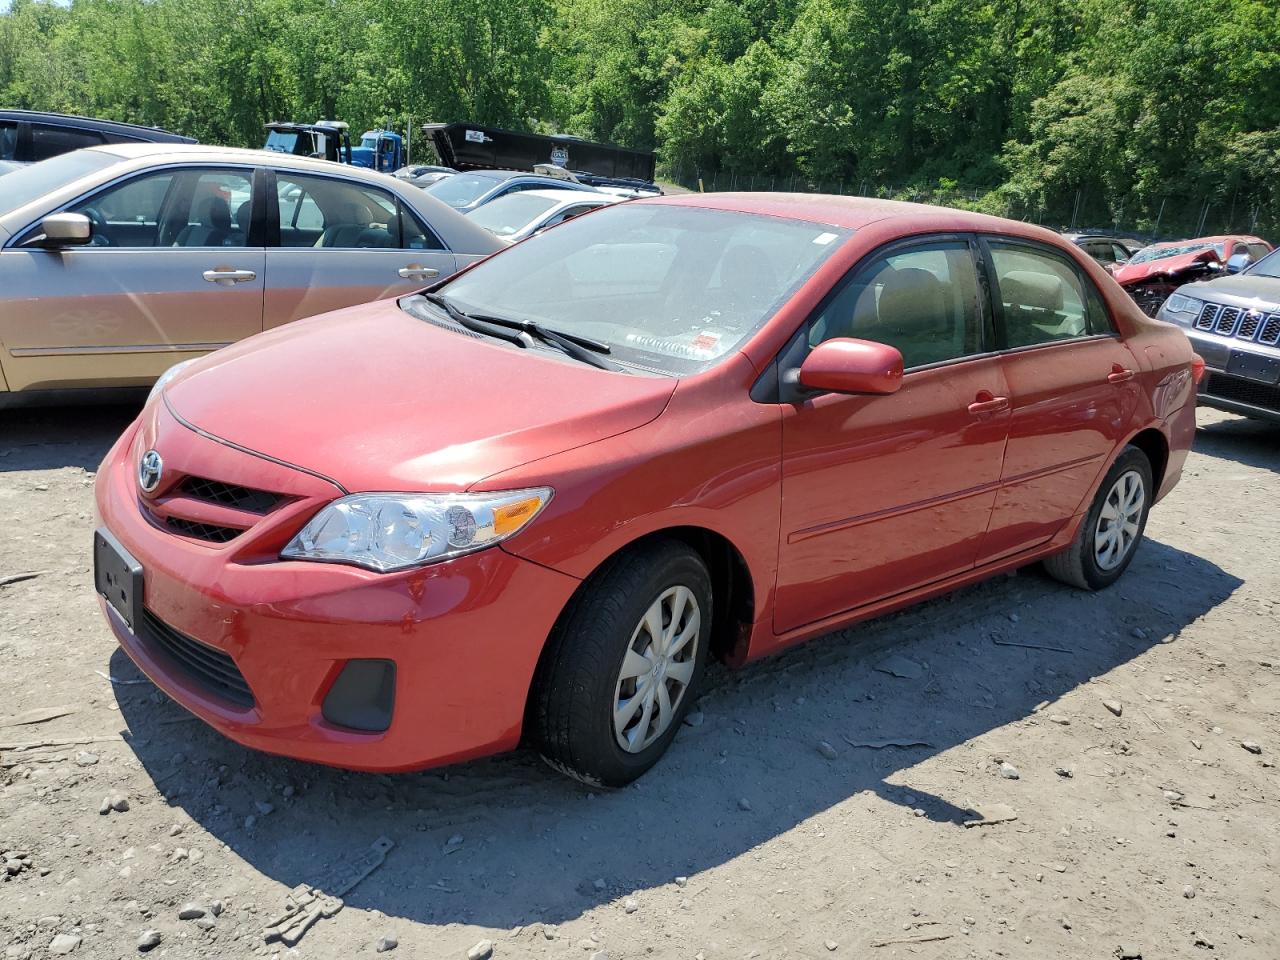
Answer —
(1153, 833)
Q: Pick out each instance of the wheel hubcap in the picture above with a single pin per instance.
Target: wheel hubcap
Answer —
(657, 670)
(1118, 522)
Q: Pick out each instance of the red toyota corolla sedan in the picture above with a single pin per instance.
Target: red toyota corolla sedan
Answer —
(531, 502)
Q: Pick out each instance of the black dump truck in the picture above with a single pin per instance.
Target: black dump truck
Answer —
(469, 146)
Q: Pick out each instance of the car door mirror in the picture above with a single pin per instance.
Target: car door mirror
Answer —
(845, 365)
(66, 230)
(1238, 262)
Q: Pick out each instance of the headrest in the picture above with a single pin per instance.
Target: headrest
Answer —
(1029, 289)
(911, 296)
(216, 214)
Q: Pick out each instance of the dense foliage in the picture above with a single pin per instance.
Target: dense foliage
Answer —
(1102, 110)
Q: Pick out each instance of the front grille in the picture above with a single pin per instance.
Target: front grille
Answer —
(1239, 323)
(228, 494)
(206, 665)
(209, 532)
(1243, 391)
(1227, 321)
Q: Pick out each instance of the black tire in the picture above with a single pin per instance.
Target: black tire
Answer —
(1078, 565)
(571, 708)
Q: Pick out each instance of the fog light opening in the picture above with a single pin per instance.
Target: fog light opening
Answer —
(363, 697)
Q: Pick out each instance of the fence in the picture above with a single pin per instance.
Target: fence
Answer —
(1167, 218)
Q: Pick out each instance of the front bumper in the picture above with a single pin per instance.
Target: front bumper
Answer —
(464, 636)
(1223, 391)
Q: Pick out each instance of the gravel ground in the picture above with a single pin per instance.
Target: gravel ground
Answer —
(1132, 734)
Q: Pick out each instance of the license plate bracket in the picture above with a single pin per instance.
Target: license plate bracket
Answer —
(1252, 366)
(118, 577)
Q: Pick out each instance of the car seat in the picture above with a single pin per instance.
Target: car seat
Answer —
(912, 315)
(211, 227)
(351, 220)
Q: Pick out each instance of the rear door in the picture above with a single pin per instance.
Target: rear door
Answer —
(335, 242)
(1072, 385)
(171, 273)
(881, 494)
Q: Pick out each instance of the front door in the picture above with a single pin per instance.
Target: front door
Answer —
(883, 494)
(1073, 386)
(341, 242)
(168, 275)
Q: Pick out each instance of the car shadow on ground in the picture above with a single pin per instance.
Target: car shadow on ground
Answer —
(537, 847)
(46, 438)
(1254, 443)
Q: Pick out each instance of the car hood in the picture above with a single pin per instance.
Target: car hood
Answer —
(1241, 287)
(376, 399)
(1131, 273)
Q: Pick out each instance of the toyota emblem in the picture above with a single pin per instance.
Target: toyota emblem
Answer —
(149, 469)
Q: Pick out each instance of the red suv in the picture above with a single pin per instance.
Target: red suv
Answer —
(532, 501)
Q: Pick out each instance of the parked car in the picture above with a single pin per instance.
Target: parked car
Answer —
(474, 188)
(28, 137)
(1105, 249)
(519, 215)
(533, 501)
(1156, 271)
(117, 262)
(423, 174)
(1234, 324)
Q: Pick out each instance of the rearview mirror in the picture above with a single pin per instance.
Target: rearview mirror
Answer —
(66, 229)
(1238, 261)
(844, 365)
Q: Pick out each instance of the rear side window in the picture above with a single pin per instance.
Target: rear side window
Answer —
(923, 300)
(329, 213)
(1041, 297)
(49, 141)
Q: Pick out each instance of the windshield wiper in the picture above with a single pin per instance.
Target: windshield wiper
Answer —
(474, 324)
(580, 348)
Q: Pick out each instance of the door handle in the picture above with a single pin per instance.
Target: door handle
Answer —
(987, 402)
(415, 272)
(1119, 374)
(227, 276)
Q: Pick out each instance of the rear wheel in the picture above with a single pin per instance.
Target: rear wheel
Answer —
(623, 665)
(1111, 530)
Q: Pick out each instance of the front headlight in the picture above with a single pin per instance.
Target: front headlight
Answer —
(167, 376)
(392, 531)
(1178, 303)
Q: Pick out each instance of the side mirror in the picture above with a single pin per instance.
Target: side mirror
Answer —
(1238, 262)
(852, 366)
(66, 230)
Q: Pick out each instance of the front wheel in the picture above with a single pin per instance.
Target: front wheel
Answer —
(623, 665)
(1111, 530)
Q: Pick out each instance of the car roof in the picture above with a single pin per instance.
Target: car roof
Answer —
(849, 212)
(569, 195)
(198, 151)
(156, 134)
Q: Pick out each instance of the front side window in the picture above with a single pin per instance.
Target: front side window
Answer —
(8, 139)
(173, 208)
(670, 289)
(1041, 297)
(328, 213)
(923, 300)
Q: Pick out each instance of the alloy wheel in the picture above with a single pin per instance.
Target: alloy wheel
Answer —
(1119, 520)
(657, 669)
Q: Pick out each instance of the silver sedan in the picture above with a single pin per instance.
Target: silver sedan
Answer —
(119, 261)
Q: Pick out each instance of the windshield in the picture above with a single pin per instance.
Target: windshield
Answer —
(510, 214)
(281, 141)
(1147, 254)
(670, 289)
(32, 182)
(1268, 266)
(461, 189)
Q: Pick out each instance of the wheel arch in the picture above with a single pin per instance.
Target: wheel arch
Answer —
(1152, 442)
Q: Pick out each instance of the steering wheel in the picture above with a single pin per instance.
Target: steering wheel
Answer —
(98, 238)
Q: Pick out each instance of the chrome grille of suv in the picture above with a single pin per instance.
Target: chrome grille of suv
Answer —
(1239, 323)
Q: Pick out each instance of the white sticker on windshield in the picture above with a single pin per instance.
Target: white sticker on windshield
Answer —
(823, 239)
